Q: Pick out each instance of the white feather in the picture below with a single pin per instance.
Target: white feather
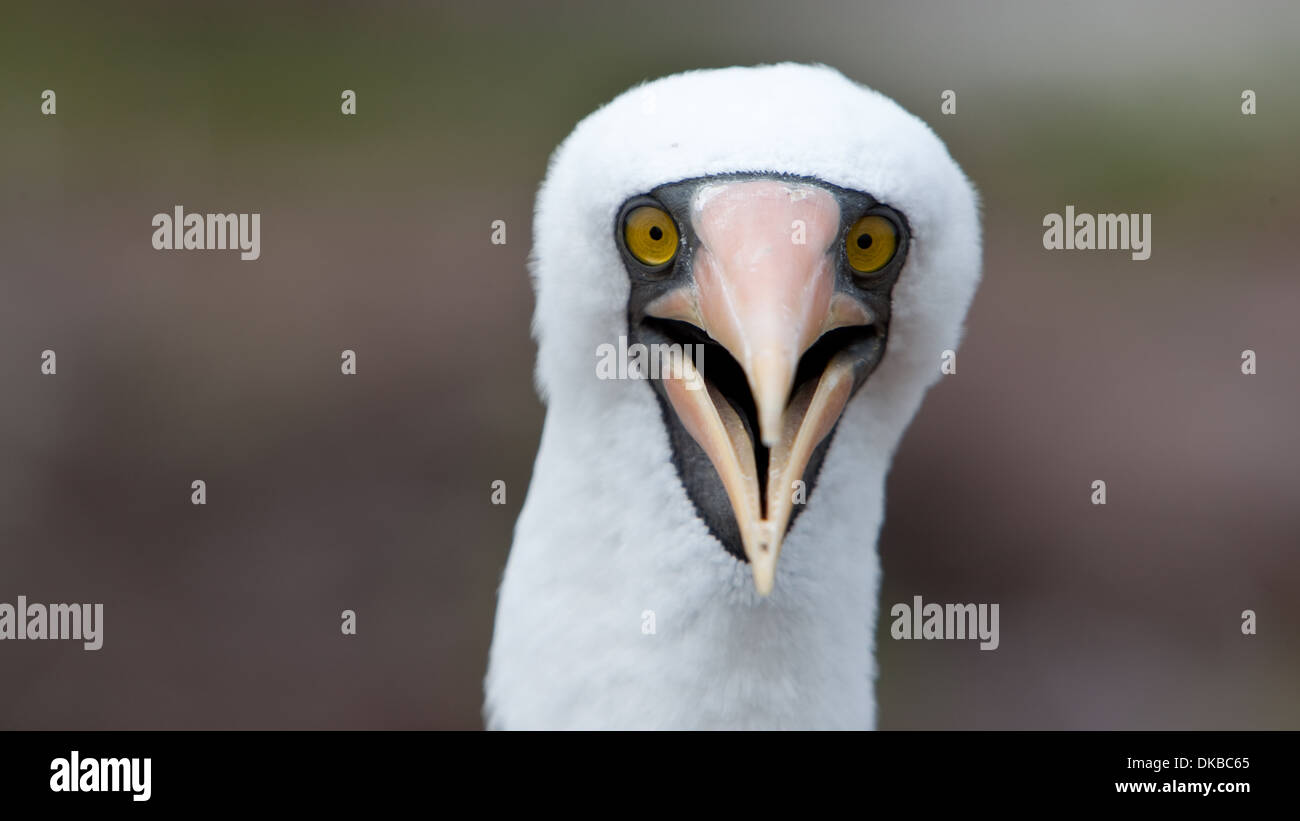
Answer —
(607, 530)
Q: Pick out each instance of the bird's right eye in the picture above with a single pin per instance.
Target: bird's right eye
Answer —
(870, 244)
(650, 235)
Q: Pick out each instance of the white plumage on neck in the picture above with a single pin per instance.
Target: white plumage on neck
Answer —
(608, 535)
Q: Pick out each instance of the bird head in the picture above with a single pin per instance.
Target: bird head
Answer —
(802, 245)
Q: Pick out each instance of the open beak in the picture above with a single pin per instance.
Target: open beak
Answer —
(763, 287)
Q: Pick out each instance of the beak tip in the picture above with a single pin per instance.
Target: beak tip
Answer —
(771, 378)
(763, 562)
(769, 425)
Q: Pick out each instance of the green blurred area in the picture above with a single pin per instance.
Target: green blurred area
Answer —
(481, 92)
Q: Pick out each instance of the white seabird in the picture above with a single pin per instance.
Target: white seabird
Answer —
(824, 247)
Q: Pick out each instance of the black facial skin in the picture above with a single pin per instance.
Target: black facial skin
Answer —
(865, 343)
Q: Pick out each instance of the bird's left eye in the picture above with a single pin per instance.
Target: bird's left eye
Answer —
(871, 243)
(650, 235)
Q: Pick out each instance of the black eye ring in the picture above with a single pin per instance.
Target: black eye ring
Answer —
(648, 235)
(871, 243)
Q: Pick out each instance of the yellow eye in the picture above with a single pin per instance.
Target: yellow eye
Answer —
(870, 244)
(650, 235)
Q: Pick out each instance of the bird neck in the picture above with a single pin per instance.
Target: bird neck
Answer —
(619, 609)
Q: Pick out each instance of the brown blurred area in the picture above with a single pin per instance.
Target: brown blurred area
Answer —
(371, 492)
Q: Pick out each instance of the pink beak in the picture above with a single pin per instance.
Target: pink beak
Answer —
(764, 288)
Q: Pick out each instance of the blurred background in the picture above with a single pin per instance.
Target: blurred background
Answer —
(372, 492)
